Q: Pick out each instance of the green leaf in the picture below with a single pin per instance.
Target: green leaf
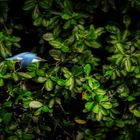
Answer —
(67, 73)
(51, 103)
(1, 82)
(87, 69)
(69, 81)
(128, 64)
(136, 113)
(56, 44)
(28, 136)
(65, 48)
(96, 108)
(99, 116)
(49, 85)
(100, 91)
(13, 138)
(138, 2)
(40, 72)
(7, 104)
(25, 75)
(120, 47)
(56, 54)
(37, 21)
(15, 76)
(130, 98)
(107, 105)
(137, 75)
(89, 106)
(120, 123)
(7, 117)
(48, 37)
(45, 109)
(41, 79)
(29, 5)
(93, 44)
(61, 82)
(94, 84)
(65, 16)
(35, 104)
(127, 19)
(108, 73)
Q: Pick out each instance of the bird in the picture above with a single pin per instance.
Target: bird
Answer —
(26, 58)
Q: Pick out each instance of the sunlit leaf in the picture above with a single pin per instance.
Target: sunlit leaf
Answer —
(80, 121)
(48, 36)
(61, 82)
(41, 79)
(107, 105)
(89, 106)
(136, 113)
(100, 91)
(25, 75)
(56, 44)
(96, 108)
(51, 103)
(128, 64)
(87, 69)
(49, 85)
(35, 104)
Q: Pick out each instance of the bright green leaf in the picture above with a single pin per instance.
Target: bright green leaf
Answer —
(48, 37)
(96, 108)
(25, 75)
(56, 44)
(136, 113)
(89, 106)
(49, 85)
(100, 91)
(41, 79)
(35, 104)
(107, 105)
(61, 82)
(87, 69)
(128, 64)
(1, 82)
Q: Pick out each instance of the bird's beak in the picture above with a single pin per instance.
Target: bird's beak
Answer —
(38, 59)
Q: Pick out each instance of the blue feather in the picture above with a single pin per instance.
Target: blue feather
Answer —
(25, 58)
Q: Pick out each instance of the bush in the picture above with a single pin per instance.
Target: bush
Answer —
(89, 87)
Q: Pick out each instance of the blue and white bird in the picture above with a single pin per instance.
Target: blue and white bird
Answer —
(26, 58)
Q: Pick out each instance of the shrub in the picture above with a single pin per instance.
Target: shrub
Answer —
(89, 87)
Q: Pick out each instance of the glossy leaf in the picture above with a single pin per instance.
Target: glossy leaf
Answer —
(128, 64)
(25, 75)
(87, 69)
(96, 108)
(136, 113)
(48, 36)
(89, 106)
(49, 85)
(56, 44)
(35, 104)
(107, 105)
(80, 121)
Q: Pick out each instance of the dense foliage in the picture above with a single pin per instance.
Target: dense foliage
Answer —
(89, 88)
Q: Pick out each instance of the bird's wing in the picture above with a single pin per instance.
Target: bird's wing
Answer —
(21, 56)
